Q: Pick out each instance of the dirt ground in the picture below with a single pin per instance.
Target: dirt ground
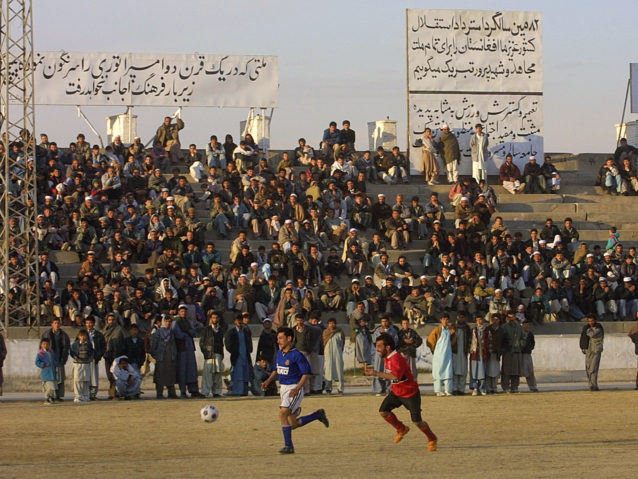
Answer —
(552, 434)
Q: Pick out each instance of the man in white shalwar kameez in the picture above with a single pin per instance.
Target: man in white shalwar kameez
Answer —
(441, 341)
(333, 342)
(480, 153)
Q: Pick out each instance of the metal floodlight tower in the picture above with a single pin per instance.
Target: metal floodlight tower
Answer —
(19, 282)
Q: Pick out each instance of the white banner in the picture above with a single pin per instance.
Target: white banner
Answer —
(474, 50)
(74, 78)
(633, 75)
(513, 124)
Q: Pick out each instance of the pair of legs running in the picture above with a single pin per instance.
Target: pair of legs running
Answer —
(289, 415)
(412, 404)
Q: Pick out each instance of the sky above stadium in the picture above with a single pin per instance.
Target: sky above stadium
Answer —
(340, 60)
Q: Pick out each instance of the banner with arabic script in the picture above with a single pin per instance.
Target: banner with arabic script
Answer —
(130, 79)
(474, 50)
(513, 124)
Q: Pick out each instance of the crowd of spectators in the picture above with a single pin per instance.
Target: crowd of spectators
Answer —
(117, 207)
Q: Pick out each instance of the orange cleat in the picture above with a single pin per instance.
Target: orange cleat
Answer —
(432, 446)
(399, 435)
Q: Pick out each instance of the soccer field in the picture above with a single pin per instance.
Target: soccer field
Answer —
(552, 434)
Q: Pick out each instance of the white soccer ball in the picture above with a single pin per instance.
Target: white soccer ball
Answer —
(209, 413)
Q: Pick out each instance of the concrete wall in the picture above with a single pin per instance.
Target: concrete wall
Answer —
(552, 353)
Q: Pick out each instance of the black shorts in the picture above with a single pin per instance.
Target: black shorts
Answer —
(412, 404)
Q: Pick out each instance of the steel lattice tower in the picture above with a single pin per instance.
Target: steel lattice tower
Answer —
(19, 285)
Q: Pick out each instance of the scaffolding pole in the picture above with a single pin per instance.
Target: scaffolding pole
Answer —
(19, 284)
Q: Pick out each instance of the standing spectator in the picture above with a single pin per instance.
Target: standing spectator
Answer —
(363, 349)
(333, 341)
(60, 345)
(512, 357)
(442, 343)
(527, 365)
(184, 333)
(82, 353)
(510, 176)
(167, 135)
(211, 343)
(115, 337)
(409, 342)
(479, 147)
(478, 357)
(135, 347)
(493, 343)
(428, 157)
(267, 344)
(98, 343)
(380, 385)
(239, 345)
(591, 344)
(451, 153)
(459, 358)
(164, 353)
(46, 360)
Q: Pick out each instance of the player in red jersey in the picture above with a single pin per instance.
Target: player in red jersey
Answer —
(405, 391)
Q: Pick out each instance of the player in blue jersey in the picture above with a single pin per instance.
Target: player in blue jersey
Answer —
(293, 370)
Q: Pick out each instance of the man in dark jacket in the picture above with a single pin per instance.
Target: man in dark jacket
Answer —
(99, 348)
(591, 344)
(409, 341)
(60, 346)
(114, 336)
(134, 346)
(211, 343)
(238, 343)
(267, 346)
(534, 178)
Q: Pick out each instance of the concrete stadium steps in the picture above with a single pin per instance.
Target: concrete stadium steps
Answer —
(593, 213)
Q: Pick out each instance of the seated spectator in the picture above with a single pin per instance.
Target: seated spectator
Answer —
(623, 151)
(331, 142)
(367, 167)
(510, 176)
(127, 378)
(303, 153)
(610, 178)
(629, 178)
(534, 178)
(551, 174)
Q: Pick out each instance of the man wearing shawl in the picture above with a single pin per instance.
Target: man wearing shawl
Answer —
(333, 341)
(239, 345)
(186, 365)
